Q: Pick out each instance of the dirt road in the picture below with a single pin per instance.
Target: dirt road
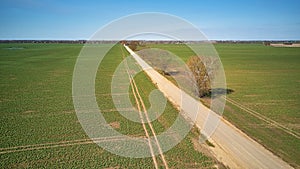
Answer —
(232, 147)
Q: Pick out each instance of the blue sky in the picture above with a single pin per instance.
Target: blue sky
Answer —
(218, 19)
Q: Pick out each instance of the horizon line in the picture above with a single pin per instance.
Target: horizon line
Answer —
(242, 40)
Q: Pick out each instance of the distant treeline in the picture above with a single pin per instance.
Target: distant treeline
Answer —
(144, 41)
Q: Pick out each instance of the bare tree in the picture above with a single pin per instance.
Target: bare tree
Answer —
(203, 74)
(133, 45)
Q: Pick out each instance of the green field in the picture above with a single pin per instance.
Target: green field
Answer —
(265, 80)
(36, 105)
(37, 111)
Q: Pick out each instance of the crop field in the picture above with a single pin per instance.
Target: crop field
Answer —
(38, 124)
(265, 102)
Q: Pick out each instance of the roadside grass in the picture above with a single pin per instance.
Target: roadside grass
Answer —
(266, 80)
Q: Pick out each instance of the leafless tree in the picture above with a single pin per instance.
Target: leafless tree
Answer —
(133, 45)
(203, 71)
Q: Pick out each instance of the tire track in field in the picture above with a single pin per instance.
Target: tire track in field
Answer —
(67, 143)
(264, 118)
(143, 124)
(150, 125)
(139, 102)
(139, 110)
(60, 144)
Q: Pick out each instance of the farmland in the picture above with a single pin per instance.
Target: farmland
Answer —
(37, 109)
(37, 113)
(264, 80)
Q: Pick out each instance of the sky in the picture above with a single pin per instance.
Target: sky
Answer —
(217, 19)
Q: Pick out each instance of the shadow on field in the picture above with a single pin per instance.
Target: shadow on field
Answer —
(217, 92)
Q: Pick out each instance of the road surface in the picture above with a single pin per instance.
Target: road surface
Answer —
(233, 147)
